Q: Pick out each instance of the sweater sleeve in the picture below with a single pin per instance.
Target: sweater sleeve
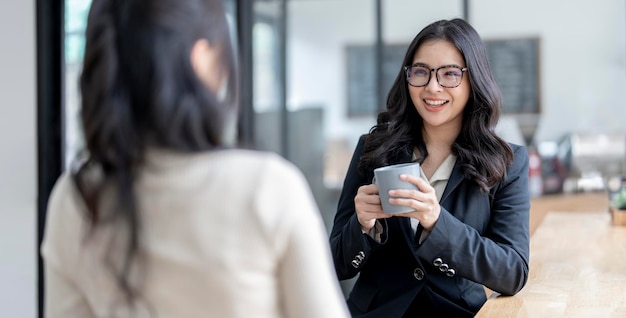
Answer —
(308, 285)
(60, 254)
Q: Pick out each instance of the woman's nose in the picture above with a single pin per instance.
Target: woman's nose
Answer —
(433, 83)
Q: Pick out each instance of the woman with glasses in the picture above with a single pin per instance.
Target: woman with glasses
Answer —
(164, 218)
(468, 228)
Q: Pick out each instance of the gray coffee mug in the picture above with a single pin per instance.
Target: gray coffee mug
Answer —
(388, 178)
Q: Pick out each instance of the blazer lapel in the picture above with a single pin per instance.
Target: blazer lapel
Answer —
(455, 179)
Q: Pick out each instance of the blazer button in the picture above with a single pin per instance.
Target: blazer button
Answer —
(418, 273)
(437, 262)
(355, 263)
(450, 272)
(443, 267)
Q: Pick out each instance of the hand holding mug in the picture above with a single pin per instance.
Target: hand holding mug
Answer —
(423, 202)
(368, 207)
(388, 178)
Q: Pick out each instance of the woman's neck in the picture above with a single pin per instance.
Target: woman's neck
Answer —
(440, 136)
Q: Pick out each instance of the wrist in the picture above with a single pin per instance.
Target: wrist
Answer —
(367, 226)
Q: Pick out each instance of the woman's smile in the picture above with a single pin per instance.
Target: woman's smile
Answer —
(434, 104)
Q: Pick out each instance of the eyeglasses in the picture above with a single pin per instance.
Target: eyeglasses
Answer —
(448, 76)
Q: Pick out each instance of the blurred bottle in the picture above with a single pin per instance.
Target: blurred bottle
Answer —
(614, 185)
(535, 179)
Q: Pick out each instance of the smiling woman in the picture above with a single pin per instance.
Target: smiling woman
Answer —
(468, 224)
(439, 102)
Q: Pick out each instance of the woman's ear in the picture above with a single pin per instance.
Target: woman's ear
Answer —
(205, 60)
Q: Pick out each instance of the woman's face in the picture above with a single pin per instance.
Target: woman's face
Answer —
(440, 107)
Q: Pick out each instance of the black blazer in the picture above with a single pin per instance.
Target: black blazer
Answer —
(479, 239)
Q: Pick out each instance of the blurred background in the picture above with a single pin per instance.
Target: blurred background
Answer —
(314, 74)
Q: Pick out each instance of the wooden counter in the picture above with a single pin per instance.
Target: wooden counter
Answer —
(577, 269)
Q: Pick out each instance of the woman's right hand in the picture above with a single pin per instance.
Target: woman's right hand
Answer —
(368, 207)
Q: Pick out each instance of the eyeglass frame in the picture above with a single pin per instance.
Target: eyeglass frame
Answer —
(431, 70)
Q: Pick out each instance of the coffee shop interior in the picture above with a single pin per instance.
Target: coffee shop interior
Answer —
(314, 73)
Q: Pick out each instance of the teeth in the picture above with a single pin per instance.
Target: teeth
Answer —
(434, 102)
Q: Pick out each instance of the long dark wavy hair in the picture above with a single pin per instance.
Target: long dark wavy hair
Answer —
(139, 90)
(483, 155)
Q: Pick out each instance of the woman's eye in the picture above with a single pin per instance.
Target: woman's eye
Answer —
(451, 73)
(420, 72)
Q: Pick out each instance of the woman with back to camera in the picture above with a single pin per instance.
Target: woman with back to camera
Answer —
(162, 219)
(469, 225)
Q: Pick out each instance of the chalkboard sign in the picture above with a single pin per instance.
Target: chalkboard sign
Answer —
(361, 86)
(515, 65)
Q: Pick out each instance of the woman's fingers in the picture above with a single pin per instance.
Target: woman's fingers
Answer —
(421, 183)
(418, 206)
(423, 201)
(368, 189)
(368, 203)
(368, 207)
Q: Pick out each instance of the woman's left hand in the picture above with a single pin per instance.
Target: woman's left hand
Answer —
(424, 201)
